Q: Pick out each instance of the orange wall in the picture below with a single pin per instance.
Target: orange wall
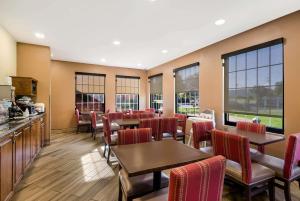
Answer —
(211, 71)
(34, 61)
(63, 89)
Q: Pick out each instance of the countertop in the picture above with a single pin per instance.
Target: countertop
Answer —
(14, 125)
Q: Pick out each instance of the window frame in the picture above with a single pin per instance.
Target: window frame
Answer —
(116, 92)
(249, 49)
(91, 74)
(151, 103)
(192, 91)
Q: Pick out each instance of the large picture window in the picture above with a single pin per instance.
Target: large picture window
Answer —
(90, 92)
(254, 85)
(127, 93)
(187, 90)
(156, 95)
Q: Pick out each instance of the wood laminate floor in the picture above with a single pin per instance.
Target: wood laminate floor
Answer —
(72, 168)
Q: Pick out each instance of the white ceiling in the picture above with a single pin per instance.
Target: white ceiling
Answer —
(83, 30)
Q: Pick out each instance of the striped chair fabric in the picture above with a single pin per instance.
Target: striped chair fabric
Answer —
(168, 125)
(147, 115)
(131, 116)
(152, 110)
(154, 125)
(292, 155)
(253, 127)
(235, 148)
(200, 132)
(137, 111)
(182, 123)
(106, 130)
(133, 136)
(201, 181)
(115, 115)
(94, 119)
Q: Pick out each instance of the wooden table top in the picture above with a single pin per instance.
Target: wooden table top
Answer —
(137, 159)
(255, 138)
(127, 122)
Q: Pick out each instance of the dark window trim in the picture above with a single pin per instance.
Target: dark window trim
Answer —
(187, 66)
(156, 75)
(255, 47)
(95, 74)
(125, 76)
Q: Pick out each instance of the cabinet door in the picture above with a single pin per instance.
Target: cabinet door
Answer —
(38, 137)
(43, 130)
(18, 157)
(33, 139)
(6, 160)
(27, 146)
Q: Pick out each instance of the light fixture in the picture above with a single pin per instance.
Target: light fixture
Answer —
(164, 51)
(51, 55)
(139, 65)
(220, 22)
(116, 42)
(152, 0)
(103, 60)
(39, 35)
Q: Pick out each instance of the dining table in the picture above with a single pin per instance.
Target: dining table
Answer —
(154, 157)
(254, 138)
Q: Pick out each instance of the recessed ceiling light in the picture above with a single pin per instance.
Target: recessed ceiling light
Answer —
(103, 60)
(220, 22)
(116, 42)
(164, 51)
(152, 0)
(39, 35)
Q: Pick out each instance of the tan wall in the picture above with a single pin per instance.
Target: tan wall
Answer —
(34, 61)
(63, 89)
(8, 56)
(211, 71)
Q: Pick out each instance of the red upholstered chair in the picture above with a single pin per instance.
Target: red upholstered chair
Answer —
(151, 110)
(110, 139)
(154, 125)
(201, 181)
(131, 116)
(200, 134)
(133, 187)
(95, 125)
(180, 134)
(168, 127)
(146, 115)
(80, 122)
(255, 128)
(239, 168)
(137, 111)
(287, 170)
(114, 116)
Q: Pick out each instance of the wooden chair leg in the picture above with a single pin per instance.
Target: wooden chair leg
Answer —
(77, 130)
(248, 193)
(104, 151)
(183, 139)
(287, 191)
(271, 186)
(120, 198)
(299, 182)
(108, 156)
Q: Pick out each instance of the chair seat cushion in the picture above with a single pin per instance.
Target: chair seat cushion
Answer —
(140, 185)
(161, 195)
(207, 150)
(99, 125)
(115, 126)
(84, 122)
(114, 139)
(167, 135)
(275, 164)
(259, 172)
(180, 133)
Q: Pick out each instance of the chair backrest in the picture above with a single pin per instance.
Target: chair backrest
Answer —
(131, 116)
(200, 132)
(106, 129)
(77, 115)
(93, 119)
(201, 181)
(137, 111)
(107, 111)
(146, 115)
(182, 122)
(133, 136)
(292, 155)
(152, 123)
(152, 110)
(168, 125)
(236, 148)
(251, 127)
(115, 115)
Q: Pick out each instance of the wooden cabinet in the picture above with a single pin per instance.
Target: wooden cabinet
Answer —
(27, 146)
(18, 156)
(43, 133)
(25, 86)
(6, 161)
(34, 138)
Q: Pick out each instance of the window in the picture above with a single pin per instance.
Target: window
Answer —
(127, 93)
(90, 95)
(156, 98)
(187, 90)
(253, 86)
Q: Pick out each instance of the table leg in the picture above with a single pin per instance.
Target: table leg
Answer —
(156, 180)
